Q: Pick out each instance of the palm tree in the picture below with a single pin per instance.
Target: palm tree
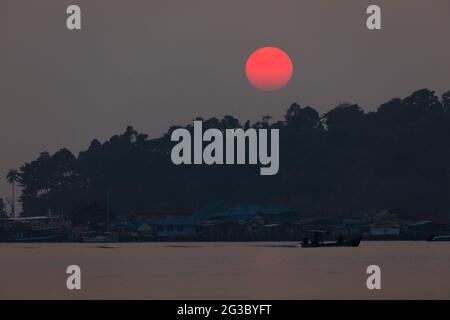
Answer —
(12, 177)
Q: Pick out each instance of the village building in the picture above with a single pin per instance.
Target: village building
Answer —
(426, 229)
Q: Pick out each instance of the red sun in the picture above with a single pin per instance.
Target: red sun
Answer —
(269, 68)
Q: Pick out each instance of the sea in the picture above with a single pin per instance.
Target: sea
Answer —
(255, 270)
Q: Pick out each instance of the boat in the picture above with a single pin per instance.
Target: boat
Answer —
(346, 243)
(440, 238)
(33, 229)
(43, 235)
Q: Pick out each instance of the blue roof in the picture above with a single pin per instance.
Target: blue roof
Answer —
(171, 222)
(244, 210)
(220, 210)
(134, 226)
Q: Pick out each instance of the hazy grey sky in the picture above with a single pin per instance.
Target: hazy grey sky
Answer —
(153, 64)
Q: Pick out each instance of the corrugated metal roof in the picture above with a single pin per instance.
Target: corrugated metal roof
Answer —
(242, 210)
(171, 222)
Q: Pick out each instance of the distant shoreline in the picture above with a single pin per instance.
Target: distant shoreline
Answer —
(208, 241)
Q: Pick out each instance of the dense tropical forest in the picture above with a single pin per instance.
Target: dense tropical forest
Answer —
(344, 160)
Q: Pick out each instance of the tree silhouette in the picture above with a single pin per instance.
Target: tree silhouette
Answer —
(12, 177)
(345, 160)
(2, 209)
(446, 101)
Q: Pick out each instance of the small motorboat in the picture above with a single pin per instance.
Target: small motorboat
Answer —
(439, 238)
(346, 243)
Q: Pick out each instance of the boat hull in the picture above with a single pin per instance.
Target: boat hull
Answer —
(350, 243)
(49, 238)
(439, 238)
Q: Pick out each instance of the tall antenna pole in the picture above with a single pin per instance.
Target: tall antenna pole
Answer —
(108, 191)
(13, 201)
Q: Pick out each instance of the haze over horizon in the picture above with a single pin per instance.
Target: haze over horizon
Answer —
(153, 64)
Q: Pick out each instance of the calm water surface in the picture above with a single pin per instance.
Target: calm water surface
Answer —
(410, 270)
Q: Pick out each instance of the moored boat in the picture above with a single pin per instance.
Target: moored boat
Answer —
(440, 238)
(347, 243)
(34, 229)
